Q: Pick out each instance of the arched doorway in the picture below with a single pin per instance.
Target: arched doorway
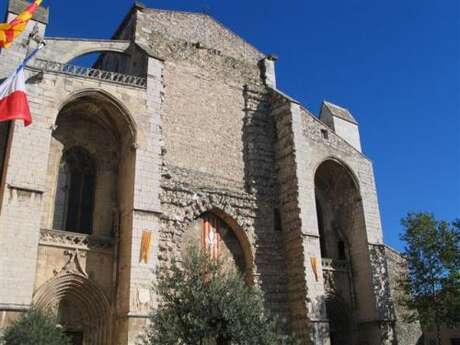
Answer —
(342, 240)
(81, 306)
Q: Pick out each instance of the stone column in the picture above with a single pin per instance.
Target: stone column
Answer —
(138, 296)
(301, 240)
(25, 184)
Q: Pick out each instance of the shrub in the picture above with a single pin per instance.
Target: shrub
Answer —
(34, 327)
(205, 303)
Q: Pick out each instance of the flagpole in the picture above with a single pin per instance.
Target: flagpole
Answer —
(31, 56)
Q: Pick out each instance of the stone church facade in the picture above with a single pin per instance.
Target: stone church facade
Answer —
(179, 133)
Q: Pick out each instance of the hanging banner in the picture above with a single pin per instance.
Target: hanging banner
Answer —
(146, 246)
(9, 31)
(314, 267)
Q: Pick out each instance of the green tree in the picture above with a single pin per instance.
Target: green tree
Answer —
(34, 327)
(432, 285)
(203, 303)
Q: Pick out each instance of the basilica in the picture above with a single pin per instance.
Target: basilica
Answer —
(178, 133)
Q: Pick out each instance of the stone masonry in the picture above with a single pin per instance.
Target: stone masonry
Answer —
(180, 119)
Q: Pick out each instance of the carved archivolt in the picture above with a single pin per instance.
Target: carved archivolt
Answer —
(92, 301)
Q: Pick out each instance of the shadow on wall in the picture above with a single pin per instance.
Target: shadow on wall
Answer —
(258, 137)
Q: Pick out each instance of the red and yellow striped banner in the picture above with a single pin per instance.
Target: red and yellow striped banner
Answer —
(9, 31)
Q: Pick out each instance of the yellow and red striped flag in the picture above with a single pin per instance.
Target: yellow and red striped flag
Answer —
(9, 31)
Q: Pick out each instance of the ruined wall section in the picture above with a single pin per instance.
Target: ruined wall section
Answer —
(197, 28)
(406, 333)
(217, 142)
(203, 106)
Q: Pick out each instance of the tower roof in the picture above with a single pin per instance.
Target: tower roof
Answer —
(339, 112)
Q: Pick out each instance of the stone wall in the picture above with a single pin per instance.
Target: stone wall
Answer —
(406, 333)
(31, 184)
(217, 139)
(289, 205)
(196, 28)
(207, 134)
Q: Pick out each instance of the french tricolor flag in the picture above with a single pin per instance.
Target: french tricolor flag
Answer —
(13, 98)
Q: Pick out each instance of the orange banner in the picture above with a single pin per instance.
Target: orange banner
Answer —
(314, 266)
(146, 245)
(9, 31)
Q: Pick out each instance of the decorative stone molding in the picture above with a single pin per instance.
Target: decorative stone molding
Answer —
(92, 73)
(73, 265)
(335, 265)
(72, 240)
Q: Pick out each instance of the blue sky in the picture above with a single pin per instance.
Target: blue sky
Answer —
(395, 64)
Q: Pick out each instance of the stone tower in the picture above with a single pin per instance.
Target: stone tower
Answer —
(178, 132)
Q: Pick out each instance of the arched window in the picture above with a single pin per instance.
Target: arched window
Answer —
(75, 192)
(322, 235)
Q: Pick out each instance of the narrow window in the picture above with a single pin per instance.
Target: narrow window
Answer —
(322, 239)
(4, 135)
(4, 130)
(341, 250)
(277, 220)
(75, 192)
(325, 134)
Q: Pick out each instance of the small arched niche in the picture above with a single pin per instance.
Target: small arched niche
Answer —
(221, 240)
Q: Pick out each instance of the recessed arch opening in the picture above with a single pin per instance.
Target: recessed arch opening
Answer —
(338, 208)
(98, 128)
(93, 146)
(220, 235)
(343, 241)
(111, 57)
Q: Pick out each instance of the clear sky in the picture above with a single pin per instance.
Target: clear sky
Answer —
(395, 64)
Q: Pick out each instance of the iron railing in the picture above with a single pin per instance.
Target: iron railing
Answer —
(92, 73)
(334, 265)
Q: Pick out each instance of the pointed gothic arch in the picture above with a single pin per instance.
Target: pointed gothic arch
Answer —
(342, 232)
(121, 117)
